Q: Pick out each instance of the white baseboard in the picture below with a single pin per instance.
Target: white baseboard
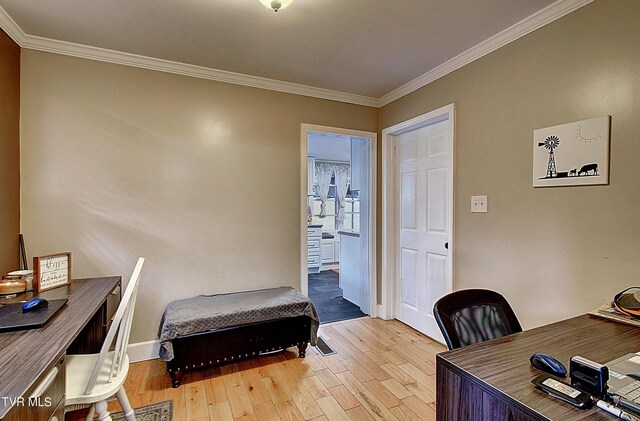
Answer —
(143, 351)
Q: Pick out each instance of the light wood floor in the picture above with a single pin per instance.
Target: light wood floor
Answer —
(383, 370)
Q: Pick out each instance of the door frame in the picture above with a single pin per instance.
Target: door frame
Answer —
(390, 189)
(305, 129)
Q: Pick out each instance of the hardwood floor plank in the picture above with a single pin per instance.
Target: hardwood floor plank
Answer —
(253, 382)
(137, 372)
(386, 398)
(371, 344)
(421, 377)
(316, 388)
(299, 394)
(359, 413)
(399, 375)
(302, 368)
(236, 391)
(421, 392)
(376, 408)
(358, 371)
(216, 390)
(344, 397)
(419, 407)
(393, 358)
(416, 356)
(178, 397)
(380, 334)
(404, 413)
(288, 411)
(350, 382)
(275, 387)
(396, 388)
(266, 411)
(343, 342)
(383, 371)
(328, 378)
(376, 357)
(334, 364)
(196, 396)
(332, 409)
(220, 411)
(315, 362)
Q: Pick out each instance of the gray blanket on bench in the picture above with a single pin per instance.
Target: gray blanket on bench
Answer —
(211, 312)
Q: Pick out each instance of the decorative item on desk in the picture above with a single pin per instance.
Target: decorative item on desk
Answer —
(27, 275)
(51, 271)
(628, 301)
(12, 284)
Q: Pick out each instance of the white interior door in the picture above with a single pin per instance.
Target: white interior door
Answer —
(424, 209)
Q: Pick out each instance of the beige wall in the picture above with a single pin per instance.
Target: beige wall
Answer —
(9, 153)
(553, 252)
(200, 177)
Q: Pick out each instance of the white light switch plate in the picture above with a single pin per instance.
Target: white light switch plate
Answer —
(479, 204)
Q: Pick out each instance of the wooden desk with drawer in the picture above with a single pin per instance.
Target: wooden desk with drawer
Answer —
(32, 371)
(492, 380)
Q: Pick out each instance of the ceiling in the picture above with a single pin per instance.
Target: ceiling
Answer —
(367, 48)
(330, 147)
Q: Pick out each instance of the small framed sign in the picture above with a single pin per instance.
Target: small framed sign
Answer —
(51, 271)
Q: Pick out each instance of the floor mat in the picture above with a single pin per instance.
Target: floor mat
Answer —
(161, 411)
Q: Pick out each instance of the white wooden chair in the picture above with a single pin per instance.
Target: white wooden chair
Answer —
(94, 378)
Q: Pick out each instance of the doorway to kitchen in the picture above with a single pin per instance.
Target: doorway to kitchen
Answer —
(338, 221)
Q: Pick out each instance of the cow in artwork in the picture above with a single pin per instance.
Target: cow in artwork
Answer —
(588, 168)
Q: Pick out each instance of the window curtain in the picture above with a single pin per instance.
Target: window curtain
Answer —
(342, 184)
(324, 171)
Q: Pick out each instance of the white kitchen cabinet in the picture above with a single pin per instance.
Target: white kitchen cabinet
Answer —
(314, 250)
(330, 251)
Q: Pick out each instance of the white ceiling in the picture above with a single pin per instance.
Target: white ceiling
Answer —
(363, 47)
(324, 146)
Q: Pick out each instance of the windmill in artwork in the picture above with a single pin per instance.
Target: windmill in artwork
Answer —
(551, 143)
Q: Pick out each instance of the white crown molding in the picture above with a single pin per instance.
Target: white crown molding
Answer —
(545, 16)
(11, 28)
(110, 56)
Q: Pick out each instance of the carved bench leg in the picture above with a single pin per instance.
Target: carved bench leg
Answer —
(302, 350)
(176, 378)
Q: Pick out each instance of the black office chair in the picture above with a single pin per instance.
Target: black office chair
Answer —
(471, 316)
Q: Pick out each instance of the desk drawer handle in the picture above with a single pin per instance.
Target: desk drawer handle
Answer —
(46, 383)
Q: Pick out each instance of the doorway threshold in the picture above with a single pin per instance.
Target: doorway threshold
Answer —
(327, 298)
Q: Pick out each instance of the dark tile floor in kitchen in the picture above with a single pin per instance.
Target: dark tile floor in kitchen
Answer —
(326, 296)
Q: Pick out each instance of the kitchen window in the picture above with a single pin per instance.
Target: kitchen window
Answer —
(329, 223)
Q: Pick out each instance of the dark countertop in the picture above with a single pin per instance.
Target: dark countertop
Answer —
(350, 233)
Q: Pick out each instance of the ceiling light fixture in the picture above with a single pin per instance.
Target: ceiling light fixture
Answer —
(276, 4)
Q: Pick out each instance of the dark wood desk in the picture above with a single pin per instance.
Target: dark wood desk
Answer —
(492, 380)
(27, 356)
